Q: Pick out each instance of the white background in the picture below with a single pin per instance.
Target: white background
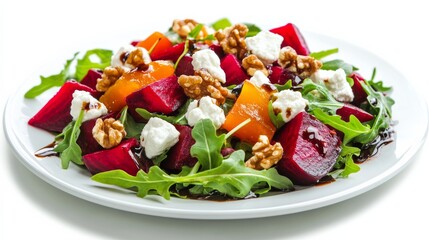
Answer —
(32, 32)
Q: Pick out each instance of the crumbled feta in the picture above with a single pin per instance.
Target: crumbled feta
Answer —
(205, 108)
(118, 58)
(265, 45)
(336, 82)
(289, 103)
(208, 60)
(259, 79)
(158, 136)
(83, 100)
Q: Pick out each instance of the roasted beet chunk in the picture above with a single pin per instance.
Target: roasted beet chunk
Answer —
(310, 149)
(180, 154)
(119, 157)
(55, 115)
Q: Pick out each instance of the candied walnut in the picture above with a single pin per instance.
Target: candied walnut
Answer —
(203, 84)
(138, 58)
(108, 133)
(302, 66)
(265, 155)
(252, 64)
(232, 39)
(184, 27)
(108, 78)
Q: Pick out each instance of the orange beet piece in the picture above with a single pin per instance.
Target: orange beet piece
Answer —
(252, 103)
(114, 97)
(158, 39)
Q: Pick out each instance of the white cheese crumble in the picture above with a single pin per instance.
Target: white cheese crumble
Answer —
(117, 59)
(205, 108)
(289, 103)
(265, 45)
(259, 79)
(336, 82)
(91, 106)
(158, 136)
(208, 60)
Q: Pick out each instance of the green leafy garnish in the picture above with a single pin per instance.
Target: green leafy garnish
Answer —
(287, 85)
(56, 80)
(68, 149)
(179, 118)
(82, 66)
(319, 97)
(93, 59)
(336, 64)
(345, 163)
(276, 119)
(221, 24)
(253, 29)
(379, 85)
(132, 128)
(351, 129)
(207, 145)
(322, 54)
(231, 177)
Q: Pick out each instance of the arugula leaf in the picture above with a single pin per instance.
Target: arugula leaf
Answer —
(132, 128)
(207, 147)
(179, 118)
(253, 29)
(319, 97)
(336, 64)
(381, 108)
(351, 129)
(287, 85)
(276, 119)
(56, 80)
(221, 24)
(345, 163)
(322, 54)
(232, 178)
(194, 33)
(378, 86)
(68, 148)
(102, 59)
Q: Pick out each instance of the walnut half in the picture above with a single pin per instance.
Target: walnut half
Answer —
(108, 78)
(265, 155)
(302, 66)
(252, 64)
(108, 133)
(232, 39)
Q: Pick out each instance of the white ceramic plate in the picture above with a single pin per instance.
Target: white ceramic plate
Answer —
(410, 112)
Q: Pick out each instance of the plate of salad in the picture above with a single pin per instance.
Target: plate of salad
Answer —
(218, 121)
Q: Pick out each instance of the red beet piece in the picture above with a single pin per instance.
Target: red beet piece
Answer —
(218, 50)
(180, 154)
(119, 157)
(233, 71)
(358, 91)
(278, 75)
(163, 96)
(90, 80)
(184, 67)
(55, 114)
(172, 53)
(310, 149)
(349, 109)
(292, 37)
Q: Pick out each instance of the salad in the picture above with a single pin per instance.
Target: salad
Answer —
(213, 111)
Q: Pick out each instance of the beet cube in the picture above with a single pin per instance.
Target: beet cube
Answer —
(172, 53)
(163, 96)
(180, 154)
(184, 67)
(358, 91)
(119, 157)
(349, 109)
(235, 74)
(310, 149)
(55, 114)
(292, 37)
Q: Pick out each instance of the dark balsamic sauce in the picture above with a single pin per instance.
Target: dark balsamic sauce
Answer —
(371, 149)
(47, 151)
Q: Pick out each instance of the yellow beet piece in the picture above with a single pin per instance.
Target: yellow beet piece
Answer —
(252, 103)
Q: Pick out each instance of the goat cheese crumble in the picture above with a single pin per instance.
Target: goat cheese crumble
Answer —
(289, 103)
(158, 136)
(205, 108)
(208, 60)
(336, 82)
(265, 45)
(91, 106)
